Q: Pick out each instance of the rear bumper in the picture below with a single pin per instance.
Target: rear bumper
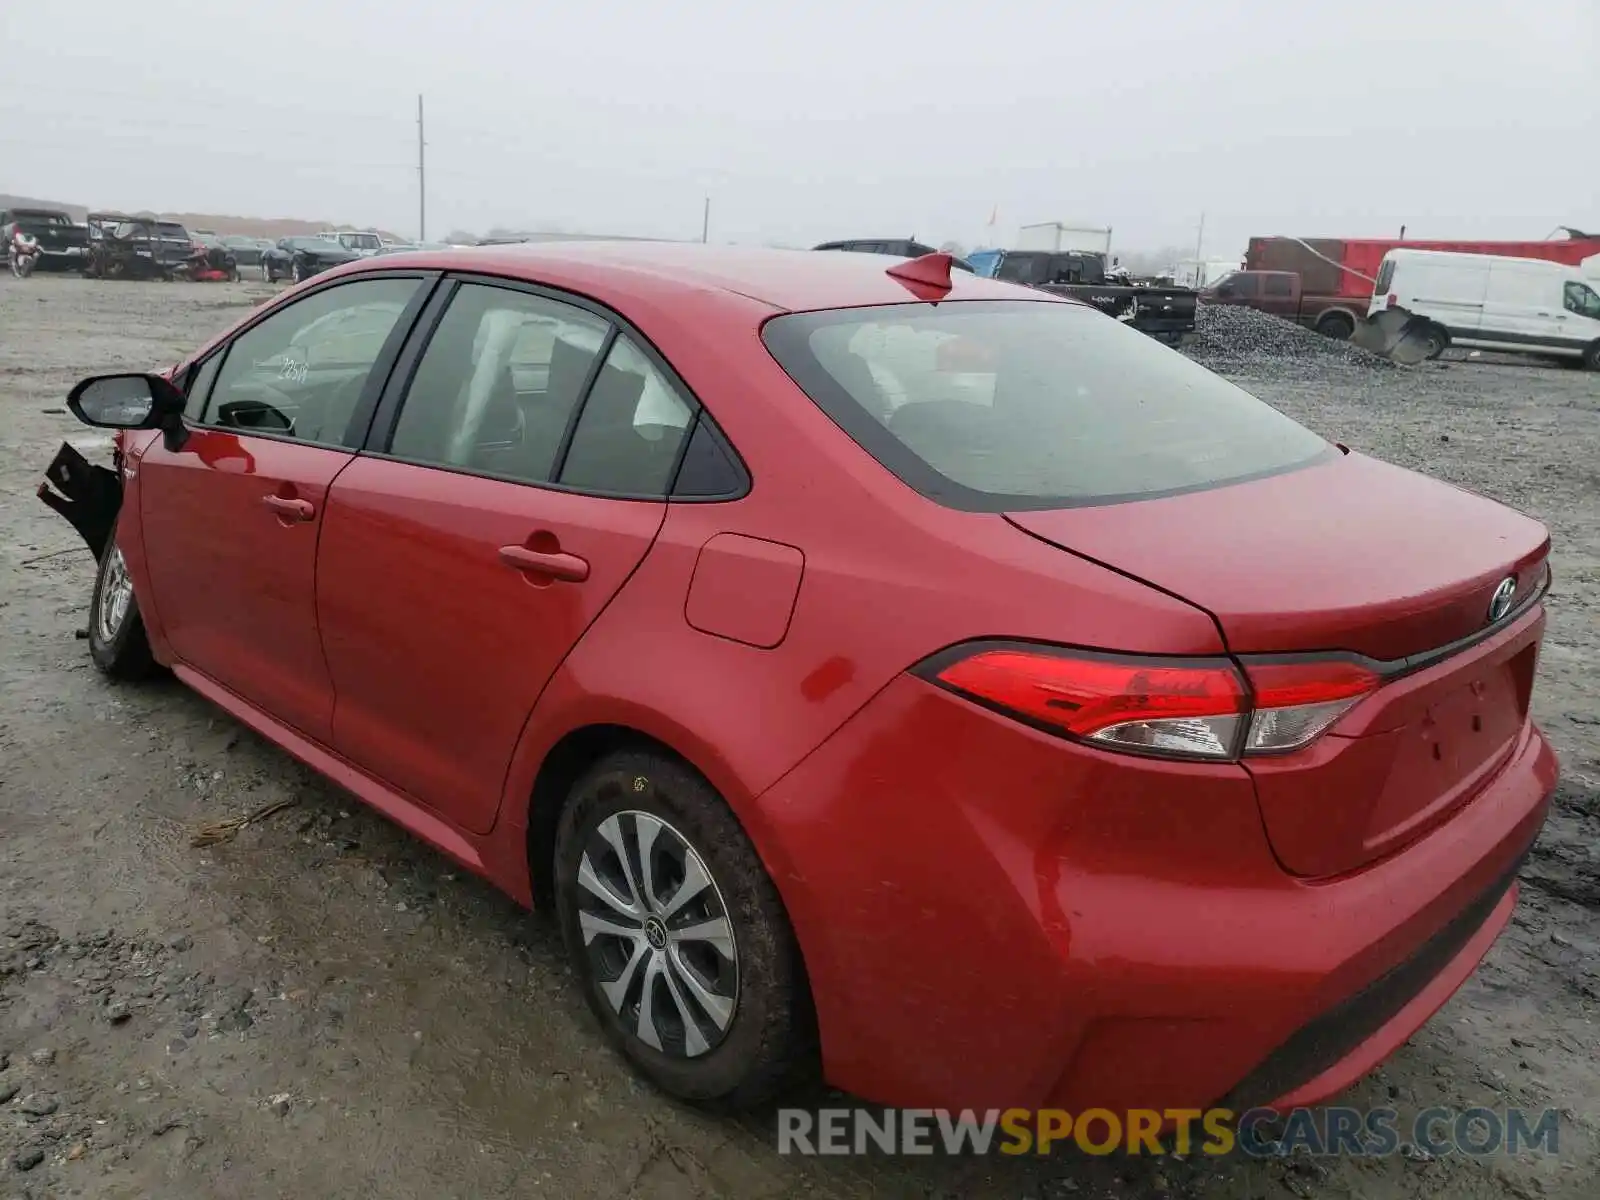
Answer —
(993, 917)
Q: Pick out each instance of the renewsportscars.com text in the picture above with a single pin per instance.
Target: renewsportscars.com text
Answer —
(1258, 1133)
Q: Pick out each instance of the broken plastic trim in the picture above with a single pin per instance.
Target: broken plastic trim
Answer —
(88, 496)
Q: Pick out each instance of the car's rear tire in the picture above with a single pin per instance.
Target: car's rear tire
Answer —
(1436, 340)
(1336, 325)
(728, 1007)
(266, 272)
(1591, 357)
(118, 643)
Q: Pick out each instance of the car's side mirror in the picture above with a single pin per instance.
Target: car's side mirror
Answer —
(130, 402)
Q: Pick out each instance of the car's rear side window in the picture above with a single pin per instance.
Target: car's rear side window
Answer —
(990, 405)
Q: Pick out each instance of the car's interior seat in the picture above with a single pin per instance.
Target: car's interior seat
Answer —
(609, 452)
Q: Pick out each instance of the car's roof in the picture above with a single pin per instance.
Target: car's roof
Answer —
(785, 280)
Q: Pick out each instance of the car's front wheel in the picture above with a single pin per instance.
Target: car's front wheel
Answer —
(679, 936)
(117, 640)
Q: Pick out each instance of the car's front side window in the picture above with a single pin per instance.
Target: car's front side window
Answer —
(300, 372)
(199, 386)
(1582, 299)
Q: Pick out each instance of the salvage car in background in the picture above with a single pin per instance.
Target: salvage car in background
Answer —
(936, 683)
(299, 258)
(363, 243)
(246, 250)
(47, 236)
(136, 247)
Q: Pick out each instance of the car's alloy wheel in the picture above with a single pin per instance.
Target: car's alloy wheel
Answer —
(298, 274)
(116, 596)
(660, 945)
(266, 271)
(679, 935)
(118, 643)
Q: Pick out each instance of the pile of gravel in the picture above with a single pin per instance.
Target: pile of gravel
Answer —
(1232, 338)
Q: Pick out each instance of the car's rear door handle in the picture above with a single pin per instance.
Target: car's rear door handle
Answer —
(294, 510)
(555, 565)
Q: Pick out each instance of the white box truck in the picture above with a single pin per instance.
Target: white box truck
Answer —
(1057, 238)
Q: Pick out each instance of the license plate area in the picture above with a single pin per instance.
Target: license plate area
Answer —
(1453, 747)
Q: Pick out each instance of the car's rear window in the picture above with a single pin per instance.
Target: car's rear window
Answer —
(993, 405)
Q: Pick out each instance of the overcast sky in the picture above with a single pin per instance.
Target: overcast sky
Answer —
(820, 120)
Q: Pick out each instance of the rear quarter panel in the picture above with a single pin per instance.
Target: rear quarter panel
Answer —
(889, 578)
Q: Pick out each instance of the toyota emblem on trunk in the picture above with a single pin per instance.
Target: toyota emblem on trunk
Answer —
(1500, 602)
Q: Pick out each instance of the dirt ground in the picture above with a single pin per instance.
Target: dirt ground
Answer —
(324, 1007)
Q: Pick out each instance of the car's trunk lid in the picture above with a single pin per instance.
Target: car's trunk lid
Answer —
(1358, 556)
(1351, 554)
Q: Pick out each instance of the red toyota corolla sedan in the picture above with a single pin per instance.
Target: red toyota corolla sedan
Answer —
(879, 669)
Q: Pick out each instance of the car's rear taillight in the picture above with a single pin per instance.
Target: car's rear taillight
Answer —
(1178, 708)
(1294, 703)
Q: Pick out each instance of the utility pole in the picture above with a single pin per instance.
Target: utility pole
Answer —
(705, 221)
(422, 178)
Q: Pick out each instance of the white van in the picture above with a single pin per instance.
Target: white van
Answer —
(1490, 303)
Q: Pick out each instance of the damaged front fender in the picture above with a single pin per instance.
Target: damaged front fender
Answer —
(88, 496)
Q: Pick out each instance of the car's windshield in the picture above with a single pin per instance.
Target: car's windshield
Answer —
(1018, 404)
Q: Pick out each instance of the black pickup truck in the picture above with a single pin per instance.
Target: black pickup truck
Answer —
(62, 242)
(1165, 313)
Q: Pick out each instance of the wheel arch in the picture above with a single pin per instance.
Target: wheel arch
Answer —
(590, 738)
(565, 763)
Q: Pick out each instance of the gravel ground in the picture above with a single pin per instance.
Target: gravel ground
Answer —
(1229, 338)
(324, 1007)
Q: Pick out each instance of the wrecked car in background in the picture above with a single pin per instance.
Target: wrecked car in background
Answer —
(128, 247)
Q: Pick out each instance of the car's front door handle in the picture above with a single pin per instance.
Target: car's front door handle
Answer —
(556, 565)
(293, 510)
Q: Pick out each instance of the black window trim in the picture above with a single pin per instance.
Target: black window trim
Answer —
(191, 376)
(377, 378)
(790, 331)
(380, 433)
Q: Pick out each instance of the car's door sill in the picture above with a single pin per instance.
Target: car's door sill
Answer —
(403, 812)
